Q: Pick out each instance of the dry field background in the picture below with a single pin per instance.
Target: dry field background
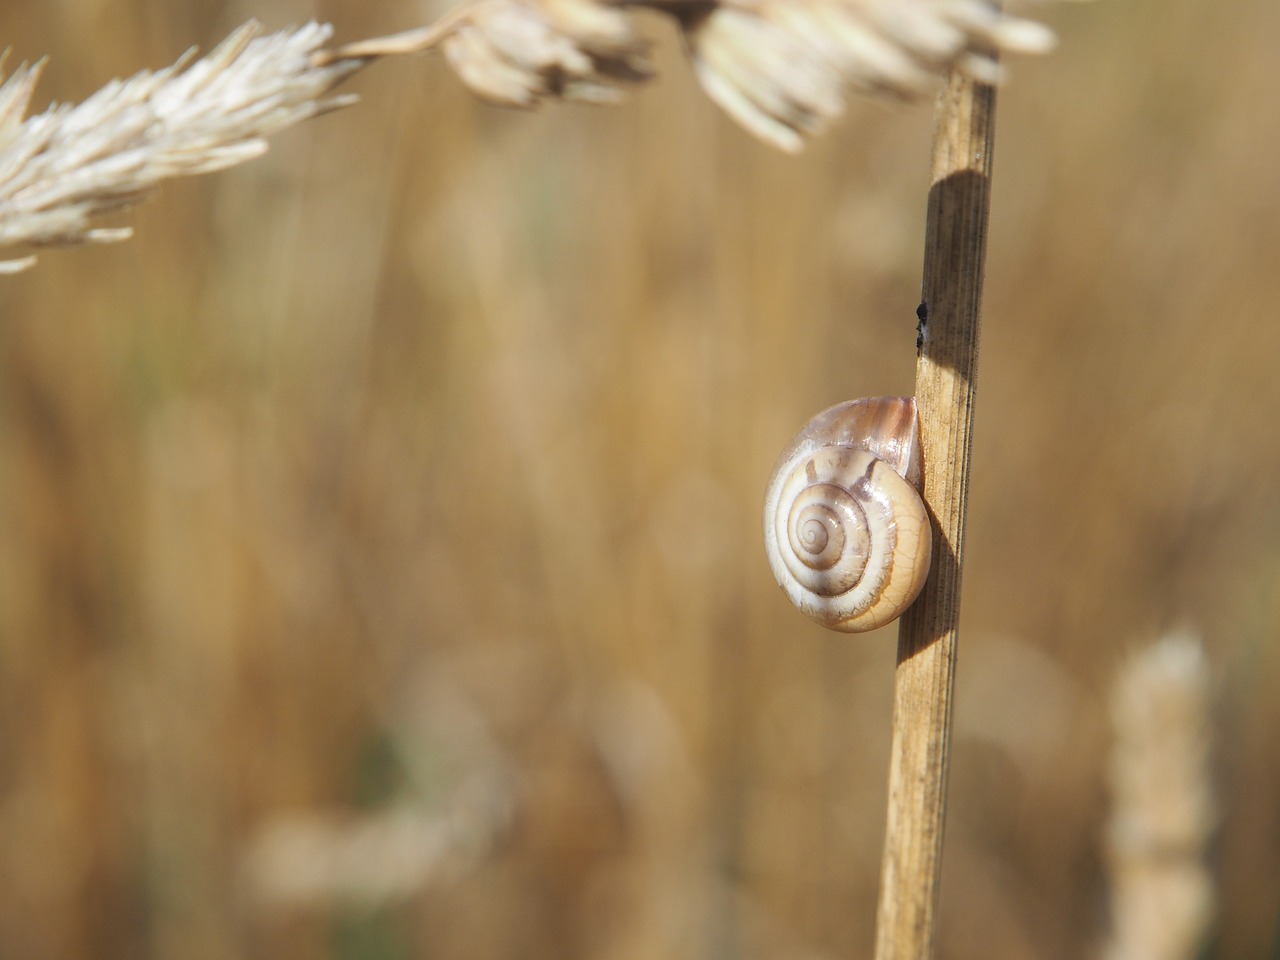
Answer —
(379, 567)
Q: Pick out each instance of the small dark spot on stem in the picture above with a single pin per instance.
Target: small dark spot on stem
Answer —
(922, 318)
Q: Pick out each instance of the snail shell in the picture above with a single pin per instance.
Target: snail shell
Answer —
(845, 529)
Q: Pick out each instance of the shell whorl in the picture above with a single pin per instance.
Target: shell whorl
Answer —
(846, 532)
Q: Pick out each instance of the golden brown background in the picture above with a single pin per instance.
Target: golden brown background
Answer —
(380, 573)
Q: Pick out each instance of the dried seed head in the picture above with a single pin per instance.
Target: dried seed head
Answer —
(1163, 808)
(69, 164)
(516, 52)
(782, 68)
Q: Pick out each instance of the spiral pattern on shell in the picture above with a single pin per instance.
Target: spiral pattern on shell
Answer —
(847, 534)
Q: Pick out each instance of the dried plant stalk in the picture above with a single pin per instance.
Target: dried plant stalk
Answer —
(1162, 814)
(955, 252)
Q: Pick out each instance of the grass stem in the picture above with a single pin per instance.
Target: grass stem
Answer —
(955, 249)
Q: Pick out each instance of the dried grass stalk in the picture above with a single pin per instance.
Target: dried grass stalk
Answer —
(1162, 815)
(928, 634)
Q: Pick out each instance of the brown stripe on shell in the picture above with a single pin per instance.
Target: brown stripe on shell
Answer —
(885, 427)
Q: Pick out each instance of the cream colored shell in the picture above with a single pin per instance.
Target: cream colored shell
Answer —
(846, 533)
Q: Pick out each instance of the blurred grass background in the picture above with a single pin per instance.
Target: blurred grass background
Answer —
(380, 573)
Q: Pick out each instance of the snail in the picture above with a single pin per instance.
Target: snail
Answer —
(845, 529)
